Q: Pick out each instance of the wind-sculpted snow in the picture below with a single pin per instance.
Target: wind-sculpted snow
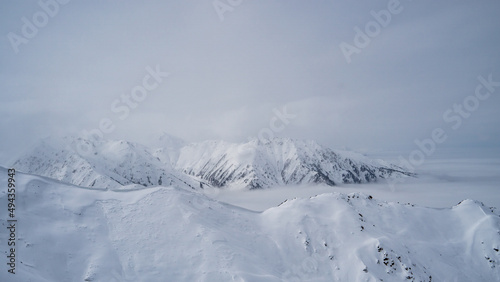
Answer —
(256, 164)
(169, 234)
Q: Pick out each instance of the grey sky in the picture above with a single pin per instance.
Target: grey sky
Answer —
(227, 76)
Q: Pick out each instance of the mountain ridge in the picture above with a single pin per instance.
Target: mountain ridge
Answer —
(251, 165)
(69, 233)
(109, 164)
(281, 161)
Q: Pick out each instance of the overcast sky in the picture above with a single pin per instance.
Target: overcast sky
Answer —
(64, 69)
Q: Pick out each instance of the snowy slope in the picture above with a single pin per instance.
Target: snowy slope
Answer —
(108, 164)
(67, 233)
(255, 164)
(281, 161)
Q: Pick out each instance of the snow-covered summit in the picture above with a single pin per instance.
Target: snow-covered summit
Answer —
(168, 148)
(254, 164)
(100, 163)
(280, 161)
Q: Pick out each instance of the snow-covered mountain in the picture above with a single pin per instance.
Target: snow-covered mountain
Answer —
(255, 164)
(168, 148)
(69, 233)
(105, 164)
(280, 161)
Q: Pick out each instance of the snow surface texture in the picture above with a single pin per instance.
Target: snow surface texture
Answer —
(69, 233)
(281, 161)
(108, 164)
(256, 164)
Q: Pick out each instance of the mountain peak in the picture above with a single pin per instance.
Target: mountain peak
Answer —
(110, 164)
(254, 164)
(279, 161)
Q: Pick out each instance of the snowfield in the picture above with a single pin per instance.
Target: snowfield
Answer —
(71, 233)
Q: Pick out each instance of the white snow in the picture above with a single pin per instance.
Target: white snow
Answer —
(280, 161)
(255, 164)
(109, 164)
(139, 214)
(69, 233)
(440, 183)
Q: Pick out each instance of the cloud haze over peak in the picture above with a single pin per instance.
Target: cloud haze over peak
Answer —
(233, 65)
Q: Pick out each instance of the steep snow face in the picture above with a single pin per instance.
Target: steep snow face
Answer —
(259, 164)
(108, 164)
(256, 164)
(68, 233)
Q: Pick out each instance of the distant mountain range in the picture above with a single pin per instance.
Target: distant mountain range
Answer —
(252, 165)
